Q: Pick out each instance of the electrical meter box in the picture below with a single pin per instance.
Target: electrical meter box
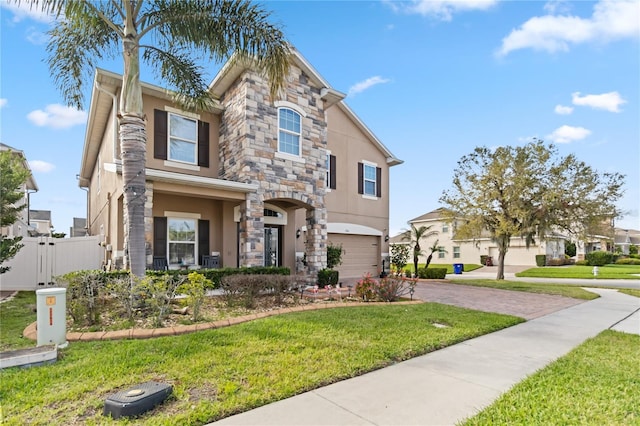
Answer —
(51, 305)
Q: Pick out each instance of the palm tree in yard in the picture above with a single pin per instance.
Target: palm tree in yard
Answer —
(162, 34)
(415, 235)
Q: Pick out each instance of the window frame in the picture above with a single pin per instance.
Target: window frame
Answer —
(441, 252)
(193, 242)
(284, 130)
(456, 252)
(171, 137)
(374, 181)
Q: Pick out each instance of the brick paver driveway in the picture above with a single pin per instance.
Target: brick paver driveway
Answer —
(517, 303)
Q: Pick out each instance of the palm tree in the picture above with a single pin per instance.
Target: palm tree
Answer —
(415, 235)
(434, 248)
(87, 31)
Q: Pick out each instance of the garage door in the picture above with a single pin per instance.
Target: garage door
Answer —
(361, 254)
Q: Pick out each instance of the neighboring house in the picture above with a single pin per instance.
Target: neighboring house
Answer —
(254, 181)
(79, 228)
(21, 228)
(41, 221)
(625, 238)
(453, 250)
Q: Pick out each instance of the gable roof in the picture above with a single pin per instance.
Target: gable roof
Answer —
(432, 215)
(31, 181)
(230, 72)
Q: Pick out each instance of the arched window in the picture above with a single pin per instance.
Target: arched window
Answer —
(289, 130)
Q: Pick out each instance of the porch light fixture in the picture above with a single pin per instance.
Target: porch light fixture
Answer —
(386, 238)
(298, 232)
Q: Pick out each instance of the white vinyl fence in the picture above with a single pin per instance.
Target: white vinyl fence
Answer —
(42, 259)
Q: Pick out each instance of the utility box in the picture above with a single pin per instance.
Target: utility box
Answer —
(51, 305)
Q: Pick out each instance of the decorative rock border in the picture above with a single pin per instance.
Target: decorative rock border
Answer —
(147, 333)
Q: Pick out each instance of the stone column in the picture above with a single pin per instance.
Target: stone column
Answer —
(148, 222)
(251, 231)
(316, 245)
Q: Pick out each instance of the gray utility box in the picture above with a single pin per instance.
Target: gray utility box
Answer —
(137, 400)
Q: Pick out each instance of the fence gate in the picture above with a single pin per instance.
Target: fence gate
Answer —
(42, 259)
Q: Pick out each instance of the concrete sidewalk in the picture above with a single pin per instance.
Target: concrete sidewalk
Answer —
(449, 385)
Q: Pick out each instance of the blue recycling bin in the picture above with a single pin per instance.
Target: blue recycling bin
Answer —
(457, 268)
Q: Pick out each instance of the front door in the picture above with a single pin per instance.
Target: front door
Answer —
(272, 245)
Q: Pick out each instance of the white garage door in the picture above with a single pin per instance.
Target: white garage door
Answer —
(361, 254)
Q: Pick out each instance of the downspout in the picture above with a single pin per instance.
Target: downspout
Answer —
(114, 103)
(88, 209)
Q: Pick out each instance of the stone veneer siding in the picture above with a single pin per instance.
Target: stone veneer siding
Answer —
(248, 146)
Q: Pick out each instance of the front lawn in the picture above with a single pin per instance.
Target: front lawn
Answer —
(216, 373)
(556, 289)
(15, 316)
(595, 384)
(575, 271)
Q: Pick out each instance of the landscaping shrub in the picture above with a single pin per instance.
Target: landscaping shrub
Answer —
(399, 255)
(432, 273)
(364, 288)
(334, 256)
(392, 288)
(85, 292)
(570, 249)
(245, 289)
(483, 259)
(633, 249)
(541, 260)
(599, 258)
(327, 277)
(628, 261)
(157, 294)
(195, 290)
(582, 262)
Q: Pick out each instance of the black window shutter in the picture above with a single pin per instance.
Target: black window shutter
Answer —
(378, 182)
(203, 144)
(332, 171)
(360, 178)
(160, 236)
(160, 140)
(203, 239)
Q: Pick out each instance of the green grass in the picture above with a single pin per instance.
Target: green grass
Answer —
(216, 373)
(15, 315)
(467, 267)
(595, 384)
(630, 291)
(607, 271)
(556, 289)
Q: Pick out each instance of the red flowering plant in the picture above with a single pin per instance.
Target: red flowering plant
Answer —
(365, 287)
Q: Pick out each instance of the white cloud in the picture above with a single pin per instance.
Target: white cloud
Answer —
(24, 10)
(57, 116)
(563, 110)
(608, 101)
(41, 166)
(568, 134)
(557, 6)
(611, 20)
(364, 85)
(442, 9)
(3, 102)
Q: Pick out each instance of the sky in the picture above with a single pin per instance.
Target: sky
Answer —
(433, 80)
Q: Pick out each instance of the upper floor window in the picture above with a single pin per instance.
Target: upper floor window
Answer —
(289, 131)
(183, 143)
(445, 228)
(180, 138)
(369, 180)
(331, 171)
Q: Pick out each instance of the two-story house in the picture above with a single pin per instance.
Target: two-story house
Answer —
(253, 181)
(21, 227)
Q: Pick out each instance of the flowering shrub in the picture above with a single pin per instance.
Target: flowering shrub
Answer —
(364, 287)
(388, 289)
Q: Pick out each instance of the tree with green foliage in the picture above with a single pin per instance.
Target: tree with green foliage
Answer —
(434, 248)
(528, 191)
(415, 234)
(570, 249)
(399, 255)
(166, 35)
(13, 175)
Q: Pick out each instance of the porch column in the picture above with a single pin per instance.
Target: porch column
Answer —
(316, 244)
(148, 222)
(251, 231)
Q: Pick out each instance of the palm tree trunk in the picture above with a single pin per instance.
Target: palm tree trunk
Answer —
(133, 139)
